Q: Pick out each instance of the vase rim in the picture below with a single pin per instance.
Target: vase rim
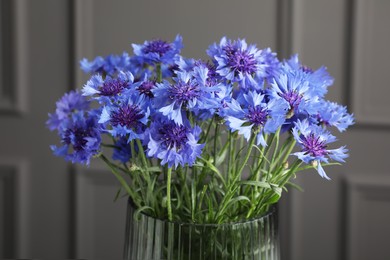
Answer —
(272, 210)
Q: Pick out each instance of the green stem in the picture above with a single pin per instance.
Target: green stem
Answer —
(215, 142)
(248, 153)
(159, 73)
(231, 189)
(121, 180)
(169, 206)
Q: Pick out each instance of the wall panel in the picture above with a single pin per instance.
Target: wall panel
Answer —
(371, 40)
(368, 214)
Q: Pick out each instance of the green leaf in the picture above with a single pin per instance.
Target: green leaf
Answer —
(237, 199)
(137, 213)
(221, 158)
(117, 194)
(154, 169)
(295, 186)
(214, 169)
(260, 184)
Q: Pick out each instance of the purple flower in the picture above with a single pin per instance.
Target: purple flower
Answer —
(106, 66)
(174, 144)
(332, 114)
(238, 62)
(157, 51)
(314, 141)
(71, 102)
(318, 80)
(80, 138)
(294, 89)
(122, 150)
(146, 86)
(252, 111)
(189, 91)
(109, 87)
(126, 118)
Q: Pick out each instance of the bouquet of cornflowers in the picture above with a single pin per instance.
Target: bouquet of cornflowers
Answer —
(201, 141)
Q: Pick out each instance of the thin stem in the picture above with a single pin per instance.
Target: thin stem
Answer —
(121, 180)
(215, 142)
(169, 206)
(159, 73)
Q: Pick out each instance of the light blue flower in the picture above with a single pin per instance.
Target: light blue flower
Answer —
(127, 118)
(318, 80)
(172, 143)
(107, 66)
(188, 92)
(333, 114)
(252, 111)
(157, 51)
(295, 90)
(122, 150)
(238, 62)
(69, 103)
(80, 138)
(105, 89)
(314, 141)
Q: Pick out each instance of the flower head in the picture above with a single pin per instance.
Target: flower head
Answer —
(146, 86)
(189, 91)
(238, 62)
(80, 138)
(107, 66)
(109, 87)
(293, 88)
(314, 141)
(174, 144)
(318, 80)
(122, 150)
(157, 51)
(69, 103)
(332, 114)
(126, 118)
(252, 112)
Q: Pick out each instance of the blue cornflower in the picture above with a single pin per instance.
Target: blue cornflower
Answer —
(146, 86)
(122, 150)
(80, 138)
(69, 103)
(252, 112)
(318, 80)
(333, 114)
(126, 118)
(238, 62)
(270, 63)
(314, 141)
(109, 87)
(107, 66)
(158, 51)
(172, 143)
(189, 91)
(293, 88)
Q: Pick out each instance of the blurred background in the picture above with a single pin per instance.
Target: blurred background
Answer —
(50, 209)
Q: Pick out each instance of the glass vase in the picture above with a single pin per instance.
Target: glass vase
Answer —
(149, 238)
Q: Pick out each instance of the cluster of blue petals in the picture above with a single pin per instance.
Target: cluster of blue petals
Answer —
(160, 98)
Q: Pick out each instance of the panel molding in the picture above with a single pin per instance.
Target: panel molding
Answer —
(13, 53)
(363, 64)
(7, 211)
(83, 40)
(15, 203)
(364, 191)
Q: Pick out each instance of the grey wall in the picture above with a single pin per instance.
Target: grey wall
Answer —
(49, 209)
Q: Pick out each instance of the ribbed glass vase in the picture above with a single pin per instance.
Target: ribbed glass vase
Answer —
(148, 238)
